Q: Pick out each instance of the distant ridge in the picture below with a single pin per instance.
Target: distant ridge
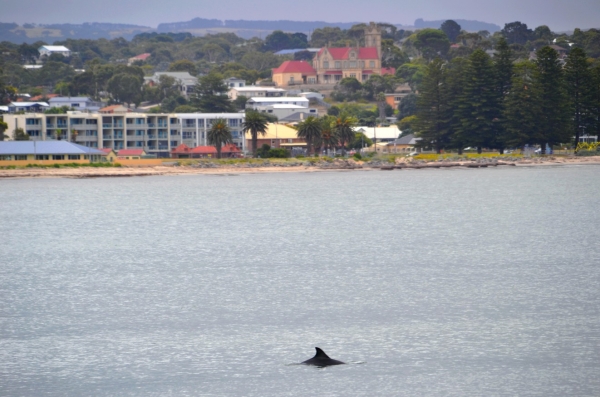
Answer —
(471, 26)
(293, 26)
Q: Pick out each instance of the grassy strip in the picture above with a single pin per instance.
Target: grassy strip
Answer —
(66, 165)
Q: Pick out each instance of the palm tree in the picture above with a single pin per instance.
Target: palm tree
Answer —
(310, 130)
(219, 135)
(256, 123)
(344, 128)
(74, 134)
(329, 136)
(58, 133)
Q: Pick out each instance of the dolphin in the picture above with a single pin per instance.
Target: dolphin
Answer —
(321, 359)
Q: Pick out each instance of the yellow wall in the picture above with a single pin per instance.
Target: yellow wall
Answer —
(23, 163)
(140, 162)
(282, 79)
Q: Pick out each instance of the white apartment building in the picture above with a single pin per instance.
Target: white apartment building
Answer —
(155, 133)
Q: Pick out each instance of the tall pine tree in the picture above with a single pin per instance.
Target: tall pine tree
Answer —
(521, 108)
(553, 101)
(454, 73)
(595, 101)
(478, 107)
(578, 76)
(503, 68)
(431, 123)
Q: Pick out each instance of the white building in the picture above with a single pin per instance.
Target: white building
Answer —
(76, 102)
(382, 134)
(234, 82)
(155, 133)
(289, 113)
(254, 91)
(47, 50)
(184, 81)
(269, 101)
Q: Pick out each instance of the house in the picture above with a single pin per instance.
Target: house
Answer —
(110, 155)
(334, 64)
(288, 100)
(277, 136)
(381, 134)
(395, 98)
(47, 150)
(289, 113)
(184, 81)
(131, 154)
(142, 57)
(114, 109)
(234, 82)
(182, 151)
(255, 91)
(77, 103)
(185, 152)
(27, 107)
(406, 143)
(47, 50)
(37, 98)
(291, 73)
(562, 52)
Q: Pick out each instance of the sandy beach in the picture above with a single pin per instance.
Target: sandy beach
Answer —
(336, 165)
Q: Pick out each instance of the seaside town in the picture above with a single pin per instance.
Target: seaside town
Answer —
(370, 92)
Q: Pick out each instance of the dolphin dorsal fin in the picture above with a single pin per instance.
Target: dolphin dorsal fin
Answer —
(320, 353)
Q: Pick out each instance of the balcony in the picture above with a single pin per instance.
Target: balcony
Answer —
(106, 125)
(151, 125)
(107, 136)
(50, 125)
(162, 135)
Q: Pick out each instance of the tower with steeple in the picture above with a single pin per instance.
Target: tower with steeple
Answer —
(373, 37)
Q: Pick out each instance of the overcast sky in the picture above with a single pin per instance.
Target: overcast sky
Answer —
(557, 14)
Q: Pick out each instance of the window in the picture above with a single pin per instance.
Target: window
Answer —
(338, 64)
(91, 133)
(173, 143)
(73, 157)
(371, 64)
(338, 77)
(74, 105)
(20, 157)
(345, 64)
(188, 135)
(352, 64)
(32, 121)
(352, 55)
(233, 122)
(353, 75)
(33, 132)
(201, 123)
(5, 158)
(139, 132)
(42, 157)
(361, 64)
(92, 121)
(76, 121)
(325, 64)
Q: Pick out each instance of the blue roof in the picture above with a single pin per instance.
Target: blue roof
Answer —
(45, 147)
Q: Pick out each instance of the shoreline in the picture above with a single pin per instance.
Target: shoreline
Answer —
(338, 165)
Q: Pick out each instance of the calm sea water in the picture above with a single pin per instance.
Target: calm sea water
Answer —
(428, 282)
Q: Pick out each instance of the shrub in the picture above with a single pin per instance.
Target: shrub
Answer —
(357, 156)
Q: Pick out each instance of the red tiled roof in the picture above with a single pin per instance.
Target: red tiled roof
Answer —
(204, 150)
(142, 57)
(295, 67)
(36, 98)
(341, 53)
(183, 148)
(106, 150)
(230, 148)
(385, 71)
(131, 152)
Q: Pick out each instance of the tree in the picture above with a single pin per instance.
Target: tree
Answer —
(595, 101)
(412, 73)
(452, 30)
(431, 123)
(478, 107)
(578, 76)
(210, 94)
(310, 130)
(329, 136)
(213, 52)
(260, 61)
(255, 123)
(359, 141)
(407, 106)
(503, 68)
(219, 135)
(21, 135)
(58, 134)
(553, 101)
(431, 43)
(125, 87)
(344, 128)
(516, 33)
(183, 65)
(391, 55)
(521, 109)
(3, 127)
